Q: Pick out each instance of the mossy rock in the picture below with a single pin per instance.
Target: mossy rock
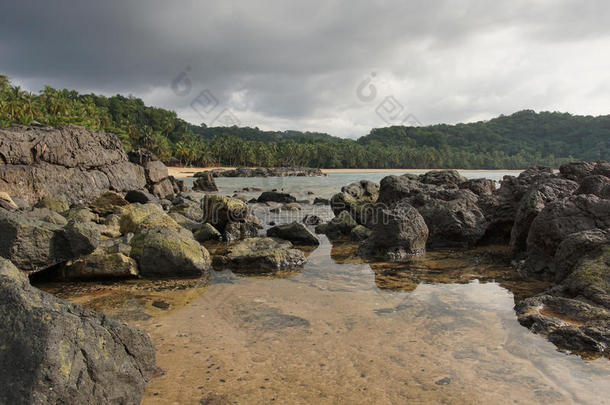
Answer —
(207, 232)
(80, 214)
(101, 264)
(109, 203)
(262, 255)
(164, 252)
(57, 204)
(591, 272)
(46, 215)
(220, 210)
(136, 217)
(342, 224)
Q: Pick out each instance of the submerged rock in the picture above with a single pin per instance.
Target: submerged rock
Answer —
(163, 252)
(55, 352)
(260, 255)
(294, 232)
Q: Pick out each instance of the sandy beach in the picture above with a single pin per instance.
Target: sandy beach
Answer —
(179, 172)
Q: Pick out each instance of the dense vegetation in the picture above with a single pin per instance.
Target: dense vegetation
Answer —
(509, 142)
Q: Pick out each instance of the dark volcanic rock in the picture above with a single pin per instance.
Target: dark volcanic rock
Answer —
(274, 196)
(294, 232)
(140, 196)
(576, 171)
(576, 246)
(356, 198)
(54, 352)
(70, 161)
(441, 177)
(340, 225)
(397, 234)
(556, 221)
(267, 172)
(479, 186)
(533, 201)
(204, 182)
(595, 184)
(311, 219)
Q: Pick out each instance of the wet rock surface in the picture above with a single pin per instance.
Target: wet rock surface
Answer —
(57, 352)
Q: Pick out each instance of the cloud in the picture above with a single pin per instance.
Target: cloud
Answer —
(297, 65)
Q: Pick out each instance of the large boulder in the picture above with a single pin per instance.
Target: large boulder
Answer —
(533, 201)
(555, 223)
(398, 233)
(453, 217)
(163, 252)
(396, 188)
(575, 247)
(443, 177)
(262, 255)
(294, 232)
(158, 181)
(356, 198)
(221, 210)
(339, 226)
(35, 245)
(576, 171)
(69, 161)
(55, 352)
(595, 184)
(188, 208)
(136, 217)
(110, 260)
(204, 182)
(479, 186)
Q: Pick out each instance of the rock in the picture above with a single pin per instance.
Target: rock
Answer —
(569, 323)
(575, 247)
(479, 186)
(69, 161)
(322, 229)
(340, 225)
(398, 233)
(239, 230)
(101, 264)
(56, 352)
(185, 222)
(266, 172)
(576, 171)
(260, 255)
(532, 203)
(112, 226)
(554, 223)
(80, 214)
(360, 233)
(190, 209)
(292, 207)
(240, 196)
(7, 203)
(275, 196)
(396, 188)
(164, 252)
(251, 189)
(58, 203)
(321, 201)
(163, 189)
(602, 168)
(595, 184)
(453, 217)
(441, 177)
(140, 196)
(591, 275)
(155, 171)
(137, 217)
(501, 207)
(294, 232)
(36, 245)
(355, 198)
(311, 219)
(204, 182)
(219, 210)
(108, 203)
(207, 232)
(46, 215)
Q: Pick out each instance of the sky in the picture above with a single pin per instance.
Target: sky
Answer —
(341, 67)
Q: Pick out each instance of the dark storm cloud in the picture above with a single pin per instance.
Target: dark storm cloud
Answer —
(282, 64)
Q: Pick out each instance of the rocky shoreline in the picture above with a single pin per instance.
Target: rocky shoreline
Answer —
(75, 206)
(264, 172)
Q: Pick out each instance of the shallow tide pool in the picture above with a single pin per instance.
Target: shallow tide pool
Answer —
(441, 329)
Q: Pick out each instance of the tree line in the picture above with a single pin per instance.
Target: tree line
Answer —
(517, 141)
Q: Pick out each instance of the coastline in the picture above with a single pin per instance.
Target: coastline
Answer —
(181, 172)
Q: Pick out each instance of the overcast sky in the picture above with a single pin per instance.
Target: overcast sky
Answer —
(341, 67)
